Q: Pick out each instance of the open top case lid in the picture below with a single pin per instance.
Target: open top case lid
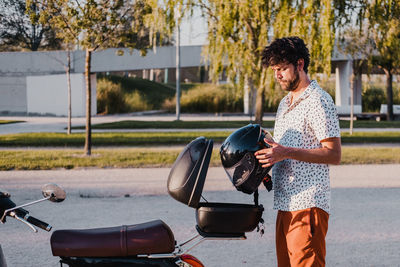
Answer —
(188, 174)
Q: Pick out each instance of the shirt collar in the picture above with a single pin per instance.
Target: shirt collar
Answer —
(313, 84)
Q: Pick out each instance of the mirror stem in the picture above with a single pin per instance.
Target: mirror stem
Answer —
(23, 205)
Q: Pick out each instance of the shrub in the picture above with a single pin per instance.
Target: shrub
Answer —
(152, 93)
(374, 93)
(273, 98)
(208, 98)
(396, 93)
(372, 98)
(136, 102)
(110, 98)
(328, 84)
(116, 94)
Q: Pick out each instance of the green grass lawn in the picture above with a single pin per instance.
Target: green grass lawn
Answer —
(153, 149)
(153, 157)
(134, 124)
(129, 124)
(106, 139)
(132, 139)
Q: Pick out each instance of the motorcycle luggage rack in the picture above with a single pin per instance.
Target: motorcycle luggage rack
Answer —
(209, 236)
(203, 237)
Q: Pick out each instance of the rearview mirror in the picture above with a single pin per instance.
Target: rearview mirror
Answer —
(53, 192)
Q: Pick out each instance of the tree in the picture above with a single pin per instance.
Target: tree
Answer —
(384, 23)
(239, 30)
(357, 45)
(237, 33)
(67, 68)
(98, 24)
(20, 31)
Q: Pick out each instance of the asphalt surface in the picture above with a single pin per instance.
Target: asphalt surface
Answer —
(364, 227)
(59, 124)
(363, 230)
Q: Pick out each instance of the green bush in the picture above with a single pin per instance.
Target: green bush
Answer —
(273, 98)
(208, 98)
(116, 94)
(396, 93)
(110, 98)
(329, 86)
(372, 98)
(136, 102)
(374, 93)
(153, 93)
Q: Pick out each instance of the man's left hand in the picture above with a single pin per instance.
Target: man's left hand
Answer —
(269, 156)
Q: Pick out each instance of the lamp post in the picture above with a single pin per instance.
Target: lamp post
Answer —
(178, 66)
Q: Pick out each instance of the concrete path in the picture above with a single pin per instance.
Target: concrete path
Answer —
(364, 226)
(59, 124)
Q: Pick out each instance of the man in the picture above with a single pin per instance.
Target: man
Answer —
(306, 140)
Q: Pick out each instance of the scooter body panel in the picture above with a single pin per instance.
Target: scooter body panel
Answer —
(119, 262)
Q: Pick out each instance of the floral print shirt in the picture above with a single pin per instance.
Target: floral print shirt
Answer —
(303, 124)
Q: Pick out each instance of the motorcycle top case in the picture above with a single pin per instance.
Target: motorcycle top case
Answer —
(188, 174)
(185, 184)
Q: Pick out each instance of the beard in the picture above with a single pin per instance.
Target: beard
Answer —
(291, 85)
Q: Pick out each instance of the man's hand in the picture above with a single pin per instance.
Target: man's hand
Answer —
(269, 156)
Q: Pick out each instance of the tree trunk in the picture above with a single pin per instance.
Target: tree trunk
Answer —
(88, 139)
(352, 77)
(246, 96)
(260, 105)
(68, 69)
(389, 94)
(178, 73)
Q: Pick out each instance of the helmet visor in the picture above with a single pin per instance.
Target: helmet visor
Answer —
(239, 172)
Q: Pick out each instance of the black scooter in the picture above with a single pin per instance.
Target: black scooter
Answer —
(151, 243)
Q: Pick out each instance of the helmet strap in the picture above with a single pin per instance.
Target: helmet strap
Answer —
(256, 197)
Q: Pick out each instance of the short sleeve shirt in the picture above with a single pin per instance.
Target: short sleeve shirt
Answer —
(303, 124)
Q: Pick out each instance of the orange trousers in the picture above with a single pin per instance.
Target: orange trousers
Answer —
(300, 237)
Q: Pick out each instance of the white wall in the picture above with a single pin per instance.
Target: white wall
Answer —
(342, 98)
(13, 94)
(48, 94)
(38, 62)
(50, 64)
(53, 62)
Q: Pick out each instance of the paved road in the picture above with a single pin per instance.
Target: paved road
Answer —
(363, 231)
(364, 226)
(59, 124)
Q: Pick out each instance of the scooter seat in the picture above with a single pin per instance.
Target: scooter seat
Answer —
(152, 237)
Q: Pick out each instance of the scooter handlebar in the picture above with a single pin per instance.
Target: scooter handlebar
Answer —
(24, 214)
(43, 225)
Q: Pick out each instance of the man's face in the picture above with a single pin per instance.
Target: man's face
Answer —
(287, 75)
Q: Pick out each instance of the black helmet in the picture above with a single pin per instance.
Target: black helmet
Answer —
(238, 160)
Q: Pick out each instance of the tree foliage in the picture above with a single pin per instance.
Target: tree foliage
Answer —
(20, 31)
(239, 30)
(384, 23)
(357, 45)
(98, 24)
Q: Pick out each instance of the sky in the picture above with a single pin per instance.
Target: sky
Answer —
(194, 30)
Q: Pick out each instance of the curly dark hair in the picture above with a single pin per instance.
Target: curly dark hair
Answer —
(286, 50)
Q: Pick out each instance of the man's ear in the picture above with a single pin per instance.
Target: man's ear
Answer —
(300, 64)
